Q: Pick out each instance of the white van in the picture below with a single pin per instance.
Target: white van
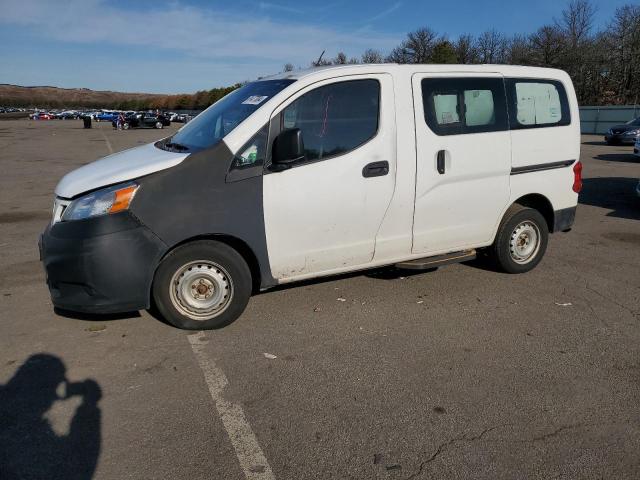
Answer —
(316, 173)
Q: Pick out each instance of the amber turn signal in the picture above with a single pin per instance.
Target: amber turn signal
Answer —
(123, 198)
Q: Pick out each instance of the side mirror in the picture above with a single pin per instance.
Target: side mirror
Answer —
(288, 148)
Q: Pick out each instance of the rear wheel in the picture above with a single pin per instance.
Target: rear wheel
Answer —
(521, 240)
(159, 125)
(202, 285)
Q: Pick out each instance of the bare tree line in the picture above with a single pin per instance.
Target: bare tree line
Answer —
(603, 64)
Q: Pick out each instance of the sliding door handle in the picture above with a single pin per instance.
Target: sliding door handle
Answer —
(440, 162)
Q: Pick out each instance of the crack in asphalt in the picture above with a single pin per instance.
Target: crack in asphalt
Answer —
(606, 297)
(464, 438)
(558, 431)
(443, 446)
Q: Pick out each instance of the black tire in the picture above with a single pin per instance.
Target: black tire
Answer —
(234, 269)
(501, 250)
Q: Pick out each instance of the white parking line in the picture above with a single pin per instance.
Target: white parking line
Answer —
(107, 141)
(251, 457)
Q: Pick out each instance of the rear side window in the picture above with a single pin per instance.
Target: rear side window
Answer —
(537, 103)
(336, 118)
(454, 106)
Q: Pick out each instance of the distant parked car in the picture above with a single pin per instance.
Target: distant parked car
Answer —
(42, 116)
(624, 134)
(69, 115)
(143, 120)
(180, 118)
(106, 116)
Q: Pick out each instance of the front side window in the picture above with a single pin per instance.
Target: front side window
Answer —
(336, 118)
(455, 106)
(537, 103)
(253, 152)
(222, 117)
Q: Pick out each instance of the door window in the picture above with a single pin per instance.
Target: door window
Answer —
(253, 152)
(455, 106)
(336, 118)
(537, 103)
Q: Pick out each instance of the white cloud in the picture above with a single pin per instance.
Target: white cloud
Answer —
(385, 13)
(195, 32)
(281, 8)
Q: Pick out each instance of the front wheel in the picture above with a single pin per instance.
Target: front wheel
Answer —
(159, 125)
(202, 285)
(521, 240)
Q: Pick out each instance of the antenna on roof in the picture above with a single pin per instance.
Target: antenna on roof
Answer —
(319, 59)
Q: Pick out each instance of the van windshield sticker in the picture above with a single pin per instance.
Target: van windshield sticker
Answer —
(254, 100)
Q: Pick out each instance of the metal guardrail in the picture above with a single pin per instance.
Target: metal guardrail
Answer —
(597, 120)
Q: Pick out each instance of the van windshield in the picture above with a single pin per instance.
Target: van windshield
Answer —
(226, 114)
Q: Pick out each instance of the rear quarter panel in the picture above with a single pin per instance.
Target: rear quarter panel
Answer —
(547, 145)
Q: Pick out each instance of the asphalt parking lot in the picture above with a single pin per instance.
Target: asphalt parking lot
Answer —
(457, 373)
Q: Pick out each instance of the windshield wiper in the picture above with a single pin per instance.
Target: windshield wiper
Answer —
(176, 147)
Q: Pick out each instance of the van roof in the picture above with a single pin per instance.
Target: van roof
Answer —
(507, 70)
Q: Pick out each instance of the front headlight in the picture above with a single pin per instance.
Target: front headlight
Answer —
(101, 202)
(633, 132)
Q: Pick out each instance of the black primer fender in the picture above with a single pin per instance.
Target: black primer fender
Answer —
(193, 199)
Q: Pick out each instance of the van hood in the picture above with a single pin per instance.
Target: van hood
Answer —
(119, 167)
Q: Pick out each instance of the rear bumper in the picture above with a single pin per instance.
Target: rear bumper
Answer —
(563, 219)
(100, 265)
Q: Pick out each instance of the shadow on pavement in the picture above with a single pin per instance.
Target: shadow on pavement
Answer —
(95, 317)
(618, 157)
(614, 193)
(29, 446)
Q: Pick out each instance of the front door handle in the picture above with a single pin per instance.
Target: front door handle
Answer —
(440, 162)
(376, 169)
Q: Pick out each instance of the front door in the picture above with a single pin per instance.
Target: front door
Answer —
(463, 160)
(322, 215)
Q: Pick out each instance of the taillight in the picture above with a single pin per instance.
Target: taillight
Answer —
(577, 177)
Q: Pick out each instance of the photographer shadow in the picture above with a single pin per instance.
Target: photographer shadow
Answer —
(29, 446)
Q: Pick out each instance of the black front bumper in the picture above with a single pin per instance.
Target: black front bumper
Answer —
(100, 265)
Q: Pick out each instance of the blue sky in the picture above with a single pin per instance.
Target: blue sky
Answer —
(183, 46)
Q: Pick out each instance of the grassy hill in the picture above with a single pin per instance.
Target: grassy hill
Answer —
(56, 97)
(52, 97)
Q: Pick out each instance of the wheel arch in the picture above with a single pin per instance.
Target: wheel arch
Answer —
(540, 203)
(237, 244)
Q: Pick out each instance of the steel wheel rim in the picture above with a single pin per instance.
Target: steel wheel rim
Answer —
(201, 290)
(524, 243)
